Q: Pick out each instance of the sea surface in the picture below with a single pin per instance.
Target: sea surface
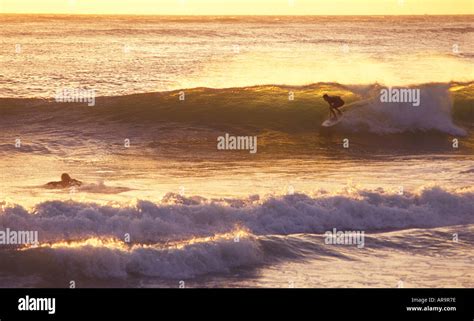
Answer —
(119, 55)
(161, 205)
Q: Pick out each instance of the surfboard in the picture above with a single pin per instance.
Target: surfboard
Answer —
(332, 121)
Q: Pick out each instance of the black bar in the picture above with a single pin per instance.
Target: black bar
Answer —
(238, 304)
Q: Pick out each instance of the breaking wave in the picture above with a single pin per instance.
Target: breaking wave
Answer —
(162, 124)
(183, 237)
(177, 217)
(262, 108)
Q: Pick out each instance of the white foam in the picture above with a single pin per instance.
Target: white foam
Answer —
(434, 112)
(197, 216)
(194, 260)
(182, 220)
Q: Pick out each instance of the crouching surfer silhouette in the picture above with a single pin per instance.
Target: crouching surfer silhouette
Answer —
(66, 181)
(334, 103)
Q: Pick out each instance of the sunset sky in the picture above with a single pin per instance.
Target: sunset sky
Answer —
(240, 7)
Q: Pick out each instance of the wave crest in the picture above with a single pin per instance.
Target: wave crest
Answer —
(189, 238)
(199, 217)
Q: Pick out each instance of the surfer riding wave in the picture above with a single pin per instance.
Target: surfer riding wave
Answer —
(334, 103)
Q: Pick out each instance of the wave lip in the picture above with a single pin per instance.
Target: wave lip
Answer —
(108, 258)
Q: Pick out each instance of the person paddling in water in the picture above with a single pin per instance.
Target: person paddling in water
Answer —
(334, 103)
(66, 181)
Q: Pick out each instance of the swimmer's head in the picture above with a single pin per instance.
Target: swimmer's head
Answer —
(65, 177)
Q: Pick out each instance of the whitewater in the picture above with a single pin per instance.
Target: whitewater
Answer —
(191, 238)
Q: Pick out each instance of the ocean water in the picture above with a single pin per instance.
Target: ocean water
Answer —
(213, 218)
(122, 55)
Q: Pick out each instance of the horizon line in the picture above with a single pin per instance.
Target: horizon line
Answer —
(230, 15)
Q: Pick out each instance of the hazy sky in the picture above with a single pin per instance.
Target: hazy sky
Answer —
(240, 7)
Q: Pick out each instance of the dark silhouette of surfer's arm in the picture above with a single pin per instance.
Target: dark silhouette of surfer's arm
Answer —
(75, 182)
(53, 184)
